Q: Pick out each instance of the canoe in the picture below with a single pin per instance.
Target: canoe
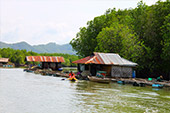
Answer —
(30, 71)
(72, 79)
(101, 80)
(157, 85)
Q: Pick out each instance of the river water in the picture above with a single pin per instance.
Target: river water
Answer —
(22, 92)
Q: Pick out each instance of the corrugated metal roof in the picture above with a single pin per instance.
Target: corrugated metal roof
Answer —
(44, 59)
(82, 61)
(106, 58)
(112, 58)
(4, 59)
(93, 60)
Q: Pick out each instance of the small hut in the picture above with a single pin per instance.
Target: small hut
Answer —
(3, 61)
(110, 63)
(47, 61)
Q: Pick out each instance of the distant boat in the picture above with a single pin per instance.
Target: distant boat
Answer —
(28, 70)
(121, 82)
(97, 79)
(60, 69)
(157, 85)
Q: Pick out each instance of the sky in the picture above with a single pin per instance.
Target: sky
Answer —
(43, 21)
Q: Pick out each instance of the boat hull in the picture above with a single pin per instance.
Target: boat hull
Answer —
(101, 80)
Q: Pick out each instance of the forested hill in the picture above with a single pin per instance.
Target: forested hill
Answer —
(141, 35)
(43, 48)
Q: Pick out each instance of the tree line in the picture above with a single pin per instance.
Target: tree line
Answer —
(141, 35)
(18, 56)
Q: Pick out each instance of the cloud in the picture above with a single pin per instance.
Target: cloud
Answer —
(37, 22)
(53, 32)
(36, 32)
(43, 21)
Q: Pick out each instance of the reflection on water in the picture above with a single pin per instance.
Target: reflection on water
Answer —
(22, 92)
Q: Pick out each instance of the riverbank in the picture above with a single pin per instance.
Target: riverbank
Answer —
(141, 81)
(134, 81)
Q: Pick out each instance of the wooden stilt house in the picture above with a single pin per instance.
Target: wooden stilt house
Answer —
(110, 63)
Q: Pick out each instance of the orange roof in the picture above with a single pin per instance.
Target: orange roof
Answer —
(93, 60)
(44, 59)
(82, 61)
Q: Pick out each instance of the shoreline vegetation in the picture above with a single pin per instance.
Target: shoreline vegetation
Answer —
(140, 82)
(18, 57)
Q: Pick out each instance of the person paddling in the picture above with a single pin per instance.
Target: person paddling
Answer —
(71, 75)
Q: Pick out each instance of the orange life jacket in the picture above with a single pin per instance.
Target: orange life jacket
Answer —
(72, 75)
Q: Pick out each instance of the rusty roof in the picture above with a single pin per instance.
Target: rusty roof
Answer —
(44, 59)
(82, 61)
(107, 59)
(4, 59)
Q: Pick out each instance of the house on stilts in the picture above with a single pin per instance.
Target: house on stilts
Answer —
(47, 62)
(108, 64)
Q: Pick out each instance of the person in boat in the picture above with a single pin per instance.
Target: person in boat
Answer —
(159, 79)
(71, 75)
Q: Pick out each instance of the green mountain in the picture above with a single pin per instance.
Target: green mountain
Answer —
(4, 45)
(54, 48)
(42, 48)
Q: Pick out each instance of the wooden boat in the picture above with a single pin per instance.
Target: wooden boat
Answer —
(30, 71)
(157, 85)
(72, 79)
(97, 79)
